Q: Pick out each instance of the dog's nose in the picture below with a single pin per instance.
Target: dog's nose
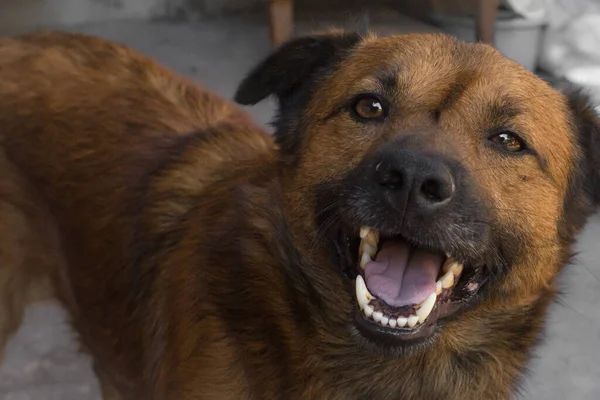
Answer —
(423, 182)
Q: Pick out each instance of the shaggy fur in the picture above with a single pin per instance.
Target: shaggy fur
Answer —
(190, 248)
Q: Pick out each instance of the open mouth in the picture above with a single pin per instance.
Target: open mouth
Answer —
(403, 290)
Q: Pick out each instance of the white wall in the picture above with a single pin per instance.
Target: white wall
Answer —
(18, 16)
(23, 15)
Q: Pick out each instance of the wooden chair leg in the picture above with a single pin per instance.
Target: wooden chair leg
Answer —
(486, 20)
(281, 14)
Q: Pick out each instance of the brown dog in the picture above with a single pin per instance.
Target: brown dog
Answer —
(398, 239)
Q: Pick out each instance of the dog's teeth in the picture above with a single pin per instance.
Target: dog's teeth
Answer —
(377, 315)
(364, 231)
(412, 321)
(456, 269)
(364, 260)
(362, 293)
(447, 280)
(369, 239)
(384, 320)
(426, 307)
(392, 322)
(452, 269)
(452, 265)
(449, 261)
(368, 310)
(368, 248)
(402, 321)
(373, 237)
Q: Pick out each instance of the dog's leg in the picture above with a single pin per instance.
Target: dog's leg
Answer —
(13, 274)
(12, 285)
(27, 259)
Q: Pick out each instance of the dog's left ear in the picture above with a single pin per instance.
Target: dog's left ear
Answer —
(289, 67)
(587, 124)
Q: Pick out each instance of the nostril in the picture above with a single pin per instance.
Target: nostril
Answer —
(436, 190)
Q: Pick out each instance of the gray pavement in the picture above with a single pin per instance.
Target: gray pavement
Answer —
(42, 361)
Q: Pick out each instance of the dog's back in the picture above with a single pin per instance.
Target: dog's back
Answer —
(85, 125)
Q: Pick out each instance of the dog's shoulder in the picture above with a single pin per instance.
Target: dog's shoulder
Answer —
(74, 107)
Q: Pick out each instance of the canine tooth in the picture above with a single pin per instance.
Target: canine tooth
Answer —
(426, 307)
(364, 231)
(377, 315)
(368, 310)
(362, 293)
(447, 280)
(412, 320)
(384, 320)
(472, 286)
(402, 322)
(438, 288)
(392, 322)
(364, 260)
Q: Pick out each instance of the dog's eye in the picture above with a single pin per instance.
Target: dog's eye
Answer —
(508, 141)
(369, 107)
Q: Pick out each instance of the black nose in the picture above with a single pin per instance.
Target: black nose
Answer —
(422, 182)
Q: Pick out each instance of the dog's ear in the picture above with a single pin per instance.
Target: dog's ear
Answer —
(292, 73)
(289, 67)
(587, 124)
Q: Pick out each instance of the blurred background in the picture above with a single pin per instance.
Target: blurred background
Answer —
(215, 42)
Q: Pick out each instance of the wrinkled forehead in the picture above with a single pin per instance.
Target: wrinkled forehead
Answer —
(424, 69)
(435, 73)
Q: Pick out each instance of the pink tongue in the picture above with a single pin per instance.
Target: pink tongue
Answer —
(401, 276)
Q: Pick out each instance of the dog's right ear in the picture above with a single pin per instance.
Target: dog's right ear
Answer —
(296, 62)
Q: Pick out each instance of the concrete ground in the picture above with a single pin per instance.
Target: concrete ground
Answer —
(42, 362)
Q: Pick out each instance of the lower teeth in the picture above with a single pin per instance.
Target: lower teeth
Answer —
(366, 302)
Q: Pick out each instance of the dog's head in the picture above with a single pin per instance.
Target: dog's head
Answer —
(444, 181)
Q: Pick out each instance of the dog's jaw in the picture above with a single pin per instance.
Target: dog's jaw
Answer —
(392, 320)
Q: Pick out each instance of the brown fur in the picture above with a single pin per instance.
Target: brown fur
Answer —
(184, 242)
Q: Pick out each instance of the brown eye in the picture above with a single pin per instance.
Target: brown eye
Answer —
(369, 107)
(508, 141)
